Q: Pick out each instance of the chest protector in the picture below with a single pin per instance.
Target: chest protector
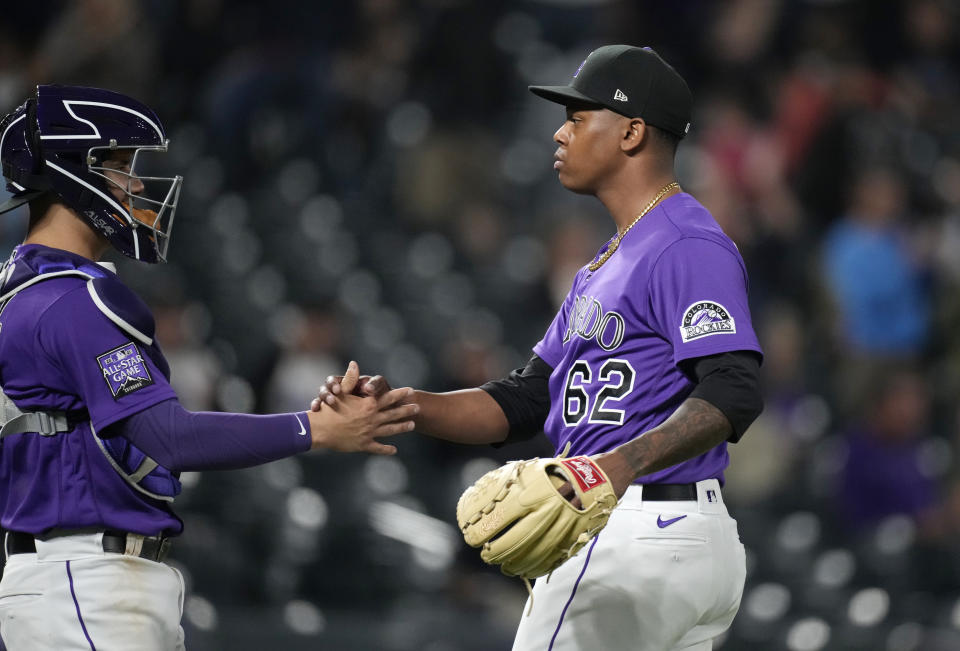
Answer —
(133, 317)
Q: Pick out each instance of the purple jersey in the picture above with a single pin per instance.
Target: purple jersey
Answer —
(675, 289)
(61, 349)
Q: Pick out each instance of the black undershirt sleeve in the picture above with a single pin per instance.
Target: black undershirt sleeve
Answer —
(731, 383)
(728, 381)
(524, 397)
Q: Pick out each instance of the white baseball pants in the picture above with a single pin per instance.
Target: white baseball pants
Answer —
(662, 576)
(73, 596)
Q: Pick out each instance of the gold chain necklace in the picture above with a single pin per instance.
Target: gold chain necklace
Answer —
(615, 242)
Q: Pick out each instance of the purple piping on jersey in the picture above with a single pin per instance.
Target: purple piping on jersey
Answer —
(77, 604)
(573, 594)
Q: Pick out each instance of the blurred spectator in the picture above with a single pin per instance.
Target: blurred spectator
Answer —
(181, 330)
(770, 456)
(885, 471)
(879, 288)
(310, 341)
(571, 243)
(100, 43)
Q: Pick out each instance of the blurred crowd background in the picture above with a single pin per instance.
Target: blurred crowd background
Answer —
(371, 180)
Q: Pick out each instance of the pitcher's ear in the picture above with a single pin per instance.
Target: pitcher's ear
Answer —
(635, 134)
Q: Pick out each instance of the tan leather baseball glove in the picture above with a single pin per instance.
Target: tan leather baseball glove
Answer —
(518, 517)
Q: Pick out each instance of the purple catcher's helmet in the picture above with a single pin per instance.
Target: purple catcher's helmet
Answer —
(59, 141)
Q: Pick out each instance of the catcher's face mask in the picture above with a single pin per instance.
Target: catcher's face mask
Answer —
(147, 201)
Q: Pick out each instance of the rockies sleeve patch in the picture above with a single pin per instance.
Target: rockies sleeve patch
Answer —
(124, 370)
(705, 318)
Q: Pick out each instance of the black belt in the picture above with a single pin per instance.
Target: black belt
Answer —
(669, 492)
(154, 548)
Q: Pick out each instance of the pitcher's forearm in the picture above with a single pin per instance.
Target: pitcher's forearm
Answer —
(695, 427)
(469, 416)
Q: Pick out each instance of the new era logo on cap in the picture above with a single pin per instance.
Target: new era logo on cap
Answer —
(619, 96)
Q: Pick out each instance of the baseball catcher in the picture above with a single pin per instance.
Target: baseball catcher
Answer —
(92, 433)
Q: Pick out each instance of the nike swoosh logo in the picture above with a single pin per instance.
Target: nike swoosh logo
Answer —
(666, 523)
(303, 430)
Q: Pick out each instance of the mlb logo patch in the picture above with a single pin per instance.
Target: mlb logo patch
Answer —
(124, 370)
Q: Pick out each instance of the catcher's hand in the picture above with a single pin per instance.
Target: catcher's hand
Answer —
(375, 386)
(522, 522)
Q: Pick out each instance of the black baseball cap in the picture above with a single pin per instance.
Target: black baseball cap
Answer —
(631, 81)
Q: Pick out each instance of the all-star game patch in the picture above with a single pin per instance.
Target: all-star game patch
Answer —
(705, 318)
(124, 370)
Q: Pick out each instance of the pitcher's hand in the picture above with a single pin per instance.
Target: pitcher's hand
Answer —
(353, 422)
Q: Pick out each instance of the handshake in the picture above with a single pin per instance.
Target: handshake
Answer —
(352, 411)
(528, 517)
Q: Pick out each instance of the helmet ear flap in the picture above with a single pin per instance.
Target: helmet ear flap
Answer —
(33, 137)
(23, 162)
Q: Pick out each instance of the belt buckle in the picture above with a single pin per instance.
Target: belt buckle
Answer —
(162, 549)
(151, 548)
(134, 544)
(154, 548)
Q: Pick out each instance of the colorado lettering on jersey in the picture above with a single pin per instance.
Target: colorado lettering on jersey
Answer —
(124, 370)
(589, 321)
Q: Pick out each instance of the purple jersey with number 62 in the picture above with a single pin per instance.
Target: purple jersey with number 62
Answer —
(676, 289)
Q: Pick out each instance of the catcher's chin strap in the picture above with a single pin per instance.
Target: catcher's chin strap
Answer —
(526, 581)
